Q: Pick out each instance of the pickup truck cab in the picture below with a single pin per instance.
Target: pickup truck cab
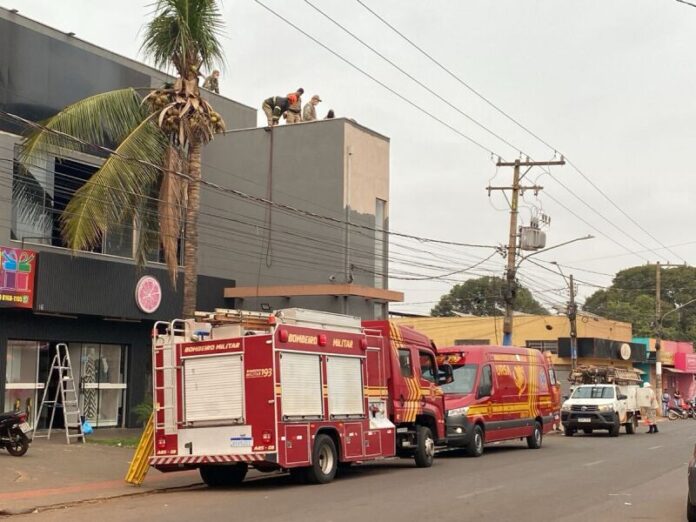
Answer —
(600, 407)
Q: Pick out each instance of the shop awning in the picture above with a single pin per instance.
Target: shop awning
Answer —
(674, 370)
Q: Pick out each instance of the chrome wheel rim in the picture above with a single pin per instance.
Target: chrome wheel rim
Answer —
(478, 442)
(429, 447)
(326, 460)
(537, 436)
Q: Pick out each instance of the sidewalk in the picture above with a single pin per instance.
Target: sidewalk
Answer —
(53, 473)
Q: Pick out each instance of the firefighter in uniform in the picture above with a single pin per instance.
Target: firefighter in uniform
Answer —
(294, 114)
(211, 82)
(274, 107)
(309, 113)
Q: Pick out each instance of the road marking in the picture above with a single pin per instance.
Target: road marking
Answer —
(593, 463)
(479, 492)
(655, 447)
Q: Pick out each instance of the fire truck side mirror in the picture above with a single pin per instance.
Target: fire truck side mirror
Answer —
(445, 374)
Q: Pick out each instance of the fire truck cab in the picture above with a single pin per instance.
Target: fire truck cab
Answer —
(294, 390)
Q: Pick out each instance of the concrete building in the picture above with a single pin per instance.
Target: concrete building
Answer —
(320, 243)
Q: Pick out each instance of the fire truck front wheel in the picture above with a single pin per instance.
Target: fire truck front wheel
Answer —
(221, 476)
(425, 451)
(324, 461)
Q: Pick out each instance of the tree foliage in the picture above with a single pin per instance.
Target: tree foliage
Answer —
(485, 296)
(631, 298)
(153, 178)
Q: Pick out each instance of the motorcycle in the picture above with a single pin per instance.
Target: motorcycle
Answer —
(690, 409)
(13, 433)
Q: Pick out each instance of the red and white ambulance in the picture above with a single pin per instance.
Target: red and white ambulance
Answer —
(295, 390)
(498, 393)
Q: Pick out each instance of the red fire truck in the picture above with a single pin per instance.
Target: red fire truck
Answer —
(294, 390)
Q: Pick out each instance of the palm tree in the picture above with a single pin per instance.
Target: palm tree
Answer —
(153, 177)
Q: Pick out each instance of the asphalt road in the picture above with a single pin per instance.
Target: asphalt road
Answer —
(586, 477)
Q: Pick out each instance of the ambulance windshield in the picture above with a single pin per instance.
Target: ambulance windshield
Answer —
(464, 379)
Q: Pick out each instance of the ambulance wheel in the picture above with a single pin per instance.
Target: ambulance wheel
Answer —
(475, 448)
(425, 451)
(324, 461)
(534, 440)
(221, 476)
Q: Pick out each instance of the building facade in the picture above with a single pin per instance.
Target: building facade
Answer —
(303, 206)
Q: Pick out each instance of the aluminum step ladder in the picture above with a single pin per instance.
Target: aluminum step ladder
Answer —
(61, 375)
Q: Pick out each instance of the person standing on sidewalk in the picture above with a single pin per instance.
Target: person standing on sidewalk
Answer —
(665, 403)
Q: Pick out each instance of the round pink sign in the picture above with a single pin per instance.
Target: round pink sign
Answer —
(148, 294)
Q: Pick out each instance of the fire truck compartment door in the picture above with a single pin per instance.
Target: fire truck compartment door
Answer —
(345, 383)
(218, 440)
(300, 378)
(213, 388)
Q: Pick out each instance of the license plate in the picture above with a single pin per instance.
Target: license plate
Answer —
(584, 419)
(25, 427)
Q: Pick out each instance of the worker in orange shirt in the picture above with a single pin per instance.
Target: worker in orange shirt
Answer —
(294, 113)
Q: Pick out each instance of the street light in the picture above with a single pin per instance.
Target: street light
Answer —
(510, 295)
(658, 342)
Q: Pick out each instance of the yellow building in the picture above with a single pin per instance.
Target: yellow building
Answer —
(532, 331)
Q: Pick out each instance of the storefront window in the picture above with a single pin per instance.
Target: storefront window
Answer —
(22, 382)
(102, 381)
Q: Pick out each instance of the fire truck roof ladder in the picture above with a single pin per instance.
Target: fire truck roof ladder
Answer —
(323, 320)
(60, 378)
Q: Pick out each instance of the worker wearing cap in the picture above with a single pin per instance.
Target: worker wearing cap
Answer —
(274, 107)
(309, 113)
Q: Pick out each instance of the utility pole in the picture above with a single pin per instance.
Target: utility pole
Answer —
(572, 317)
(511, 271)
(658, 328)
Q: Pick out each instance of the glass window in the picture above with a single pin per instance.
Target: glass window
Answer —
(486, 382)
(427, 366)
(23, 386)
(552, 377)
(405, 362)
(593, 392)
(464, 379)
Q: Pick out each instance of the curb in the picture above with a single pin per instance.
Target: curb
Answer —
(6, 513)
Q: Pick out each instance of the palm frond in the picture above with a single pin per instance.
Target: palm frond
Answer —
(184, 33)
(104, 119)
(117, 189)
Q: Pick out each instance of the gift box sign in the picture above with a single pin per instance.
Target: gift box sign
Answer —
(17, 270)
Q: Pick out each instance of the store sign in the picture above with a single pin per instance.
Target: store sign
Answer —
(17, 275)
(148, 294)
(685, 362)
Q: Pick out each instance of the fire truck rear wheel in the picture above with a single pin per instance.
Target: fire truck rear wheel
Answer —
(324, 461)
(425, 451)
(221, 476)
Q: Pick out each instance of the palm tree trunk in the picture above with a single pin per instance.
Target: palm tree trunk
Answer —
(191, 228)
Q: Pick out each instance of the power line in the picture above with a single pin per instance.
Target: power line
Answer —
(239, 193)
(516, 122)
(379, 82)
(414, 79)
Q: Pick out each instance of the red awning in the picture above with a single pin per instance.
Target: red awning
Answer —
(674, 370)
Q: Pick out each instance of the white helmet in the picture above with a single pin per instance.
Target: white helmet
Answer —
(647, 385)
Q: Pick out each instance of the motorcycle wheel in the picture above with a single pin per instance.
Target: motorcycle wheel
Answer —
(672, 415)
(18, 445)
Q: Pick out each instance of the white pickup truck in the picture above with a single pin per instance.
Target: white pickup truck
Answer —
(601, 407)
